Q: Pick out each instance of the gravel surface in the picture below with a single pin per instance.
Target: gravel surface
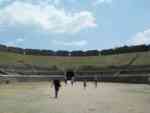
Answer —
(37, 97)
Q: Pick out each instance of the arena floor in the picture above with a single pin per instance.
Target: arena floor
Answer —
(37, 97)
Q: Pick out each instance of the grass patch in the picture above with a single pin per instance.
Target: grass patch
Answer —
(101, 61)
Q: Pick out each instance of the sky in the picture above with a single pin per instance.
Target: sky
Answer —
(74, 24)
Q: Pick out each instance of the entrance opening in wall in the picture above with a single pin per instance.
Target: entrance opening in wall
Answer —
(70, 74)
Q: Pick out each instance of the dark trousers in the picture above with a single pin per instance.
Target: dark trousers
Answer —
(56, 91)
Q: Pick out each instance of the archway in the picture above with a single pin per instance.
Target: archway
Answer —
(69, 74)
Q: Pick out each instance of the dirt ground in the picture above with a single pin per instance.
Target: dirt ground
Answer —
(37, 97)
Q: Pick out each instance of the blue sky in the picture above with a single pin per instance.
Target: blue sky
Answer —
(74, 24)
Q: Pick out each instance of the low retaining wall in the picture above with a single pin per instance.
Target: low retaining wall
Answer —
(22, 73)
(124, 79)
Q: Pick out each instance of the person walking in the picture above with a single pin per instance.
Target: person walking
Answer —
(84, 84)
(95, 81)
(72, 81)
(57, 86)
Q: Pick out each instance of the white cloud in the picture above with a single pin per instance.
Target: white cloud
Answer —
(45, 17)
(73, 43)
(57, 2)
(15, 42)
(19, 40)
(3, 1)
(141, 38)
(98, 2)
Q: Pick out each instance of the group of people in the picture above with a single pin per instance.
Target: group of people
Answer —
(57, 85)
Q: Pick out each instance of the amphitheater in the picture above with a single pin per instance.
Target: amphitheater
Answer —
(26, 87)
(17, 64)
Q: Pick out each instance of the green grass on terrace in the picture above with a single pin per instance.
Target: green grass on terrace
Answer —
(101, 61)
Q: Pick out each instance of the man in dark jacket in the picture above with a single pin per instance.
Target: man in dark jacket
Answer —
(57, 86)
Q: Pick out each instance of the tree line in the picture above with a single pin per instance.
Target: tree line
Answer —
(126, 49)
(119, 50)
